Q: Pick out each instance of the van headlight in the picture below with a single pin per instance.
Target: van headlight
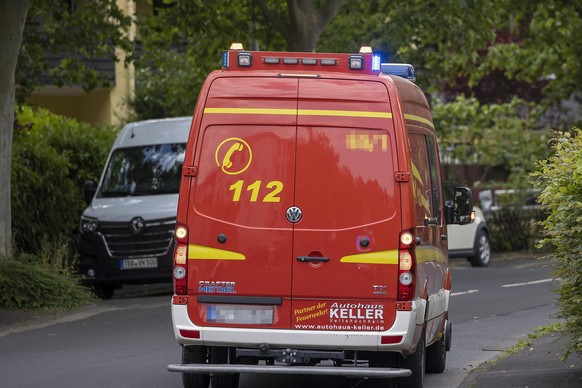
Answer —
(89, 225)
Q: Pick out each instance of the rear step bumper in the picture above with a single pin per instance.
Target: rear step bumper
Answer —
(291, 370)
(404, 326)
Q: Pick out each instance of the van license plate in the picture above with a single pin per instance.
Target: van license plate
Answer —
(150, 262)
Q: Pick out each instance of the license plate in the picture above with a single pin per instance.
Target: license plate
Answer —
(150, 262)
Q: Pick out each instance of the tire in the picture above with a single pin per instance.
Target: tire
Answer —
(436, 354)
(219, 355)
(104, 291)
(482, 250)
(416, 363)
(195, 355)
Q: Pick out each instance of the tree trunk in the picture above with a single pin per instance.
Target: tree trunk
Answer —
(306, 22)
(12, 18)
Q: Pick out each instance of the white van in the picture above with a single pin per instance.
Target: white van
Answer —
(127, 228)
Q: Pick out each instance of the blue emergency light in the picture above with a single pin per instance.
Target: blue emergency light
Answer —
(403, 70)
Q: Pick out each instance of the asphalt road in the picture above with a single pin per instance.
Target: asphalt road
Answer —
(128, 341)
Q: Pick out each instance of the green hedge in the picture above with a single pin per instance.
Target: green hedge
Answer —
(560, 178)
(52, 157)
(30, 285)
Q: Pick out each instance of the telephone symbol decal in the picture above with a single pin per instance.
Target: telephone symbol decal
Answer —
(233, 156)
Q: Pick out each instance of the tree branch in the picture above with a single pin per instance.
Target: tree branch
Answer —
(274, 20)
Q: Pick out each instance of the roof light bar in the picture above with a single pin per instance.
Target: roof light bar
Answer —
(236, 58)
(403, 70)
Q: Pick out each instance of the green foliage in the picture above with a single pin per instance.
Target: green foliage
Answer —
(560, 178)
(506, 135)
(182, 44)
(27, 283)
(540, 44)
(494, 50)
(52, 158)
(63, 39)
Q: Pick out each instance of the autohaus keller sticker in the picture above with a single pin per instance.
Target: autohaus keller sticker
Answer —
(338, 315)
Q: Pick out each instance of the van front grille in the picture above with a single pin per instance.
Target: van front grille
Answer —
(154, 239)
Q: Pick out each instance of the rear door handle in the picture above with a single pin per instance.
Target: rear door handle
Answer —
(312, 259)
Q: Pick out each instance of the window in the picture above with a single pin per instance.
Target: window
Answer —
(154, 169)
(425, 179)
(434, 178)
(421, 178)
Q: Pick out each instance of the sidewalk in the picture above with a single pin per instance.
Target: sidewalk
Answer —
(536, 366)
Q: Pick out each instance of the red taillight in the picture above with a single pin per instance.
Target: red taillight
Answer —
(180, 272)
(406, 265)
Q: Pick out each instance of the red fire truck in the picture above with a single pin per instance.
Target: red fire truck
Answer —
(311, 229)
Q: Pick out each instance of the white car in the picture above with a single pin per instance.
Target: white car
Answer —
(471, 241)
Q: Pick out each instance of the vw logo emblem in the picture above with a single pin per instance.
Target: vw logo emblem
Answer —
(293, 214)
(136, 225)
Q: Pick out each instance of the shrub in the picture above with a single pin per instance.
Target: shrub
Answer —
(560, 178)
(27, 283)
(52, 157)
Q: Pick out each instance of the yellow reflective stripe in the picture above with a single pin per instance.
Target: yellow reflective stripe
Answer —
(416, 174)
(344, 113)
(380, 257)
(198, 252)
(300, 112)
(251, 111)
(419, 119)
(428, 254)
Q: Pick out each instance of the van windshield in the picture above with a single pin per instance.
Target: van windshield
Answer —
(147, 170)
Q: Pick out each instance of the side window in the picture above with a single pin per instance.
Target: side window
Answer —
(434, 178)
(421, 178)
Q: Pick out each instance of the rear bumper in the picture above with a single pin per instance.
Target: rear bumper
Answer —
(405, 325)
(292, 370)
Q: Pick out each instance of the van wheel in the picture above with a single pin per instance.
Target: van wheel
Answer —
(195, 355)
(482, 250)
(103, 292)
(436, 357)
(219, 355)
(416, 363)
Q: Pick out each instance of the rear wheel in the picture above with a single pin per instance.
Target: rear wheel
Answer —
(482, 250)
(416, 363)
(219, 355)
(195, 355)
(436, 356)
